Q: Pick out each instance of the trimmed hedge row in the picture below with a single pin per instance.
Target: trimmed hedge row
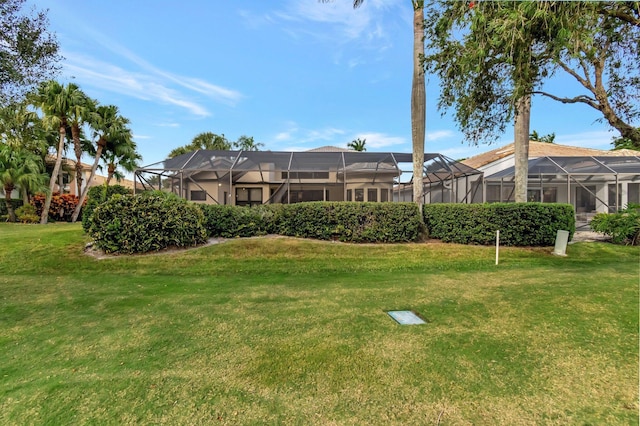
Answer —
(146, 222)
(352, 221)
(233, 221)
(520, 224)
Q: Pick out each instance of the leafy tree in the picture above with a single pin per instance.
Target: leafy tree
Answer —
(549, 138)
(358, 145)
(28, 51)
(418, 98)
(108, 126)
(120, 153)
(206, 140)
(22, 170)
(247, 143)
(55, 101)
(493, 56)
(625, 143)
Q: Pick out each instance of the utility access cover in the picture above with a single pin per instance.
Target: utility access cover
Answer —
(406, 317)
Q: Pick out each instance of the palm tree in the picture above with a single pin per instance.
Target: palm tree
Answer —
(120, 152)
(55, 102)
(81, 108)
(418, 99)
(358, 145)
(108, 125)
(246, 143)
(22, 170)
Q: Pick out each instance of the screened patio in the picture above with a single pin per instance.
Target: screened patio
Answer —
(263, 177)
(590, 184)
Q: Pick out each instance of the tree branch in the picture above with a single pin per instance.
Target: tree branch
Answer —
(578, 99)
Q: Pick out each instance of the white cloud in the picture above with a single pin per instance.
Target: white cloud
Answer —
(597, 139)
(439, 134)
(380, 140)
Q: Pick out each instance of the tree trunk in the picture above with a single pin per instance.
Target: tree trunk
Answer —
(521, 145)
(85, 190)
(111, 169)
(8, 189)
(75, 135)
(418, 101)
(44, 217)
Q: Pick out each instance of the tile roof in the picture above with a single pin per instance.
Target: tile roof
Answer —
(543, 149)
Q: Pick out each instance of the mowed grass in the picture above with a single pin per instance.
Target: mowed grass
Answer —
(286, 331)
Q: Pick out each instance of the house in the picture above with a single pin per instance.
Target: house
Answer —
(264, 177)
(591, 180)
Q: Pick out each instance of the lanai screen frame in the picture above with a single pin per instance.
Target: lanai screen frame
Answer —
(578, 169)
(227, 164)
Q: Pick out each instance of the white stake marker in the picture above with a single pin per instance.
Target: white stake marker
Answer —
(497, 245)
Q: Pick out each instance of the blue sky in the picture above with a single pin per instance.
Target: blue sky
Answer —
(294, 74)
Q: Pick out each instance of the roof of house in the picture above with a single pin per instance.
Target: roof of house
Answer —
(329, 148)
(543, 149)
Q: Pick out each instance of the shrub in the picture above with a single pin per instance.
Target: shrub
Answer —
(351, 221)
(623, 227)
(238, 221)
(96, 196)
(3, 207)
(147, 222)
(520, 224)
(27, 214)
(61, 208)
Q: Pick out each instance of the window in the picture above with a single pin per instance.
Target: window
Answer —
(359, 194)
(533, 195)
(372, 195)
(384, 195)
(550, 195)
(248, 196)
(634, 193)
(349, 195)
(305, 175)
(198, 196)
(612, 197)
(226, 196)
(585, 199)
(307, 195)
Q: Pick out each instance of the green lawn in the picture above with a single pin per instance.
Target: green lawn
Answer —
(285, 331)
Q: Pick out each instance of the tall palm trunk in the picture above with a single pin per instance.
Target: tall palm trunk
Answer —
(521, 147)
(44, 217)
(111, 169)
(75, 135)
(101, 144)
(418, 100)
(8, 189)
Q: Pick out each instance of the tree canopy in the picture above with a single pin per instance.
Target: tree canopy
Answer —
(212, 141)
(490, 54)
(28, 51)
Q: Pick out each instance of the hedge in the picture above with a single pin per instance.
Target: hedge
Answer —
(343, 221)
(61, 208)
(520, 224)
(351, 221)
(147, 222)
(238, 221)
(96, 196)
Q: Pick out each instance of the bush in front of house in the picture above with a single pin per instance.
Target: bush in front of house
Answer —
(238, 221)
(61, 208)
(623, 227)
(27, 214)
(146, 222)
(96, 196)
(351, 221)
(520, 224)
(4, 214)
